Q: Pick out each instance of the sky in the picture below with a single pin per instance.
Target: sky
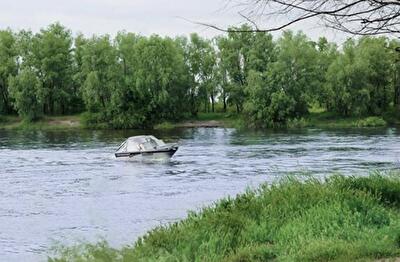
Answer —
(146, 17)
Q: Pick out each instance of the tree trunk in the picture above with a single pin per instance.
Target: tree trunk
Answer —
(193, 104)
(48, 109)
(125, 70)
(103, 103)
(212, 102)
(5, 103)
(224, 100)
(397, 88)
(384, 98)
(51, 107)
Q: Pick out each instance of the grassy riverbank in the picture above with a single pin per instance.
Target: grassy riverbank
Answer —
(342, 218)
(205, 120)
(47, 123)
(316, 119)
(329, 120)
(78, 121)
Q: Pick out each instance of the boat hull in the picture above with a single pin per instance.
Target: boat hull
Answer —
(163, 153)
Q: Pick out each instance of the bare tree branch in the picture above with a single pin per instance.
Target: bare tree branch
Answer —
(359, 17)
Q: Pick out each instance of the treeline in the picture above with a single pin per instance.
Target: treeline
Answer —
(133, 81)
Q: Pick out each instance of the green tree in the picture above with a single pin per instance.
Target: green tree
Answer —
(327, 53)
(394, 48)
(234, 51)
(25, 91)
(125, 99)
(134, 81)
(207, 71)
(78, 76)
(195, 51)
(239, 53)
(100, 71)
(8, 67)
(375, 54)
(358, 81)
(221, 76)
(52, 59)
(160, 79)
(280, 93)
(126, 44)
(347, 83)
(262, 52)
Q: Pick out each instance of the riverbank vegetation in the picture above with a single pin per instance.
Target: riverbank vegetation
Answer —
(134, 81)
(324, 120)
(342, 218)
(44, 123)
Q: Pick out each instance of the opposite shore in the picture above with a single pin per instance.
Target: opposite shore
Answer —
(206, 120)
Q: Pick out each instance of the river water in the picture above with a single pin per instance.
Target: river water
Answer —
(66, 186)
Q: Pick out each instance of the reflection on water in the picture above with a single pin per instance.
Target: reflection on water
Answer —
(66, 186)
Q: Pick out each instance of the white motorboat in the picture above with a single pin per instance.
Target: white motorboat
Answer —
(147, 146)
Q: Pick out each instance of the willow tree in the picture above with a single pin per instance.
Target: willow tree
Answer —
(101, 75)
(280, 91)
(8, 67)
(234, 49)
(160, 80)
(51, 56)
(25, 90)
(358, 80)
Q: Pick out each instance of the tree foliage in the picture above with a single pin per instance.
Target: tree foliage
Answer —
(25, 88)
(52, 59)
(282, 90)
(8, 67)
(358, 80)
(134, 81)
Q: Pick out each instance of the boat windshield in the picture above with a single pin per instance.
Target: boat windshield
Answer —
(140, 143)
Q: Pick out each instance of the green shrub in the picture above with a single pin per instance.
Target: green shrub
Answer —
(372, 121)
(297, 123)
(93, 120)
(164, 125)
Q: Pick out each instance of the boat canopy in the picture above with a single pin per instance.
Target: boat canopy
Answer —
(140, 143)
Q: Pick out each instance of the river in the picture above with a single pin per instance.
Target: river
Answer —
(66, 186)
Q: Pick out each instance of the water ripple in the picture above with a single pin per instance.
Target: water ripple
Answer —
(64, 186)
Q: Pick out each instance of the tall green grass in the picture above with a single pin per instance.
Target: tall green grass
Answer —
(342, 219)
(332, 120)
